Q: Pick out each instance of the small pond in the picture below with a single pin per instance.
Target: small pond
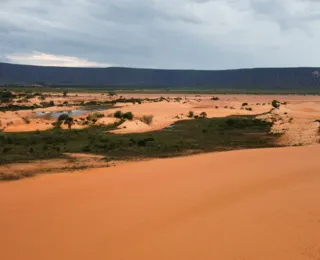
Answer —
(76, 112)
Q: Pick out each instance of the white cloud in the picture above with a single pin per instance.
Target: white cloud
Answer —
(43, 59)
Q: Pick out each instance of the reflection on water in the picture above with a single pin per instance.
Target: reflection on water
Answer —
(76, 112)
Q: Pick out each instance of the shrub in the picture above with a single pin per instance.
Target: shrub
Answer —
(214, 98)
(203, 115)
(118, 114)
(191, 114)
(6, 96)
(65, 93)
(98, 115)
(275, 104)
(63, 117)
(249, 108)
(112, 93)
(51, 103)
(95, 116)
(128, 116)
(244, 104)
(147, 119)
(26, 120)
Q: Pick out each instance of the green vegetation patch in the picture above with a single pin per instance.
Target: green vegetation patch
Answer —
(184, 137)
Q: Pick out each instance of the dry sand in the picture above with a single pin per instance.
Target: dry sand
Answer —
(254, 204)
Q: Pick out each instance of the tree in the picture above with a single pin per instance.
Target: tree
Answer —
(63, 117)
(65, 93)
(69, 122)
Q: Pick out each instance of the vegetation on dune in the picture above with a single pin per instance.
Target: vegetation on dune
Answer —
(120, 115)
(6, 96)
(147, 119)
(191, 114)
(275, 103)
(112, 93)
(127, 115)
(184, 137)
(203, 115)
(95, 116)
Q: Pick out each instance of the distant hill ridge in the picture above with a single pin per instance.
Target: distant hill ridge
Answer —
(258, 78)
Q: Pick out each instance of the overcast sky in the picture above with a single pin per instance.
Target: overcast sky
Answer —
(175, 34)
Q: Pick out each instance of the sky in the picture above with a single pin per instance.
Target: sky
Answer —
(166, 34)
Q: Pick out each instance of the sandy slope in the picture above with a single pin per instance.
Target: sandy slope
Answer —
(254, 204)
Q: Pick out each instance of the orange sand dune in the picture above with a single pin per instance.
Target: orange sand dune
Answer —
(254, 204)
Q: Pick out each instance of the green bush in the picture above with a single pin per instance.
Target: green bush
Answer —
(275, 104)
(128, 116)
(6, 96)
(191, 114)
(203, 115)
(118, 114)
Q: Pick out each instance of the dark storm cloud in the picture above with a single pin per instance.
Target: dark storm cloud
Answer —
(198, 34)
